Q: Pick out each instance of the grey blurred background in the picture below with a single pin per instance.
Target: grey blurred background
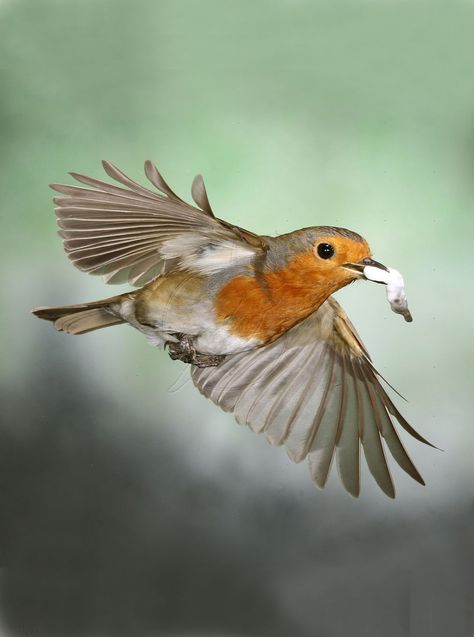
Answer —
(130, 506)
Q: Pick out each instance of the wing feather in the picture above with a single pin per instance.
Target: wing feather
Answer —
(348, 444)
(388, 431)
(199, 194)
(279, 430)
(306, 423)
(274, 371)
(324, 442)
(157, 180)
(370, 436)
(280, 386)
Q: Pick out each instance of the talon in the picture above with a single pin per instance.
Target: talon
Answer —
(208, 360)
(185, 352)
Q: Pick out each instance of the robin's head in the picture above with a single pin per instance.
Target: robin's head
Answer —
(341, 254)
(335, 256)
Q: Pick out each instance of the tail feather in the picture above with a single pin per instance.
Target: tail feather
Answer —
(78, 319)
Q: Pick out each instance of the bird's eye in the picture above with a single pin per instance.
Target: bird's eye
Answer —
(325, 250)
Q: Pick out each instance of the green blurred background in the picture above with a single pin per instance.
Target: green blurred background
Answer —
(130, 506)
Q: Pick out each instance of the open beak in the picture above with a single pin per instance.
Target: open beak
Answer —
(360, 265)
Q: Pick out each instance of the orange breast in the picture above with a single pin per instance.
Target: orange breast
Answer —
(267, 308)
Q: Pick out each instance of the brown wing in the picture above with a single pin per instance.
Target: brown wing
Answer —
(134, 233)
(315, 391)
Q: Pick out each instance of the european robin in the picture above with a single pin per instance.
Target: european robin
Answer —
(253, 315)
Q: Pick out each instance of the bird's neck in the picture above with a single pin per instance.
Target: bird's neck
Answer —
(266, 304)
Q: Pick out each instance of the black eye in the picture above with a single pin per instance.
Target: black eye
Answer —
(325, 250)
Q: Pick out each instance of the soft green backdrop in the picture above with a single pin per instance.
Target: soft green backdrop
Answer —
(359, 114)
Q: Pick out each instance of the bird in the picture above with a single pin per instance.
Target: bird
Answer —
(253, 315)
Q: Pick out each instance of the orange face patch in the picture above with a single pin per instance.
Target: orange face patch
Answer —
(346, 250)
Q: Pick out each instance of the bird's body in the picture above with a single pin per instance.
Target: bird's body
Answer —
(236, 308)
(254, 315)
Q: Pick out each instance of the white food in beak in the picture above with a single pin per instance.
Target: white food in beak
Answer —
(395, 288)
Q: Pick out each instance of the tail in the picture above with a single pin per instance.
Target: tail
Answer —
(80, 319)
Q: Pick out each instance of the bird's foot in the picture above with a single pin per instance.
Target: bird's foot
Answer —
(207, 360)
(185, 352)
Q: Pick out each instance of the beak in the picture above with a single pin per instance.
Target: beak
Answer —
(360, 265)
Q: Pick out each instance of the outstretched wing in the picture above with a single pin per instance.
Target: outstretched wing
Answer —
(135, 234)
(315, 391)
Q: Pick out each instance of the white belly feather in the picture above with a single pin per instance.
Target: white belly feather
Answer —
(208, 337)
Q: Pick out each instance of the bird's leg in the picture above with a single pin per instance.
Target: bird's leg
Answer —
(185, 352)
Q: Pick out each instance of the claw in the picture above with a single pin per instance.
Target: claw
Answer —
(184, 351)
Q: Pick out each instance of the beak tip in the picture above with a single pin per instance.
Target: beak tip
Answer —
(374, 264)
(360, 266)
